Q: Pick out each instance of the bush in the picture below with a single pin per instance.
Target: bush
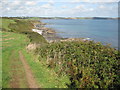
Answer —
(88, 64)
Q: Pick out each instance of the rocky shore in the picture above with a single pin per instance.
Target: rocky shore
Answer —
(48, 33)
(51, 35)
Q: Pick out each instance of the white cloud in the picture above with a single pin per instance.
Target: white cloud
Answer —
(91, 9)
(101, 6)
(92, 1)
(47, 6)
(32, 8)
(16, 3)
(81, 1)
(31, 2)
(79, 7)
(8, 9)
(64, 6)
(51, 2)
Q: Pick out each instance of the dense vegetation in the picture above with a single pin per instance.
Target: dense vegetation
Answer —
(88, 64)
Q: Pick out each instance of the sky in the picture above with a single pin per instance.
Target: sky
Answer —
(59, 8)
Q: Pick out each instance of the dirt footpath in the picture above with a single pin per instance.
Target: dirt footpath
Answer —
(30, 78)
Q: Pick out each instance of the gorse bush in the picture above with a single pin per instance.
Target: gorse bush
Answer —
(88, 64)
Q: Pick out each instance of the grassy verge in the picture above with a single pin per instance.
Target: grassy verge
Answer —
(25, 27)
(12, 43)
(46, 77)
(16, 37)
(0, 59)
(5, 24)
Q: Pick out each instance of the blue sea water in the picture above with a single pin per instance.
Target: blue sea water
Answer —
(100, 30)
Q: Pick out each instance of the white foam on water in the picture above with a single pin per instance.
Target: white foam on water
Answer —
(38, 31)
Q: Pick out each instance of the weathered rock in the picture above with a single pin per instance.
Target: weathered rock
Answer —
(31, 47)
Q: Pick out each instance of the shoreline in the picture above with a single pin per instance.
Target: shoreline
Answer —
(50, 34)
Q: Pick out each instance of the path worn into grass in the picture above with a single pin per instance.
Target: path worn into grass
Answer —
(30, 78)
(18, 79)
(15, 65)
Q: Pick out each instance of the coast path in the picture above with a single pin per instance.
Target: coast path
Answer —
(16, 70)
(29, 75)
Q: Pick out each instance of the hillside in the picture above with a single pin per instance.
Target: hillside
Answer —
(69, 64)
(20, 68)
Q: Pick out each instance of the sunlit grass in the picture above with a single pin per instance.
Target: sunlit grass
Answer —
(17, 40)
(4, 23)
(46, 77)
(10, 53)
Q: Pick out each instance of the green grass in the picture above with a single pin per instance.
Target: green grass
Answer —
(25, 27)
(0, 59)
(42, 74)
(21, 36)
(46, 77)
(21, 26)
(4, 23)
(9, 54)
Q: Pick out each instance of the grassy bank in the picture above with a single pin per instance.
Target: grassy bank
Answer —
(23, 26)
(12, 43)
(47, 78)
(17, 34)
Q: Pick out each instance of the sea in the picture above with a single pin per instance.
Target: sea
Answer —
(99, 30)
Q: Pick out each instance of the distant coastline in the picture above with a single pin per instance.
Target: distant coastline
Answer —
(78, 18)
(37, 18)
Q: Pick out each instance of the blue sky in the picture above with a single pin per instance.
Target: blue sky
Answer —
(60, 8)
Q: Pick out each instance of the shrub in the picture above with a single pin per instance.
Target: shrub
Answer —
(88, 64)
